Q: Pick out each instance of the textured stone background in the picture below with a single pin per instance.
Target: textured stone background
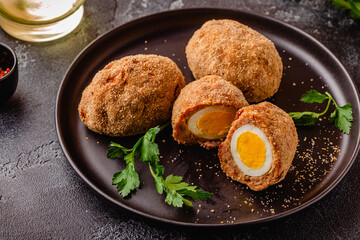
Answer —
(41, 196)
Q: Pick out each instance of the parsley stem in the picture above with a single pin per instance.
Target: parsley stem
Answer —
(146, 150)
(332, 99)
(165, 125)
(155, 175)
(327, 107)
(161, 128)
(152, 171)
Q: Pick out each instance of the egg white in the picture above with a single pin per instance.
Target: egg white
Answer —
(192, 122)
(268, 155)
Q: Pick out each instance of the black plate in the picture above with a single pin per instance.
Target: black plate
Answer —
(324, 153)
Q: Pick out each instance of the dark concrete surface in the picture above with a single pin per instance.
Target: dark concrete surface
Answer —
(41, 196)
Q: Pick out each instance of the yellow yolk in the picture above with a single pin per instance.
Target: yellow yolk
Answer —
(212, 122)
(251, 149)
(215, 123)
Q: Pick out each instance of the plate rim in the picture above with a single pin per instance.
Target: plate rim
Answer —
(160, 14)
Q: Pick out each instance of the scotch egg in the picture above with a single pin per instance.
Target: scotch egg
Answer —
(238, 54)
(260, 146)
(130, 95)
(204, 111)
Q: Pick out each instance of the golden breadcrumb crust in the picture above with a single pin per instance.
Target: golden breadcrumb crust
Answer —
(237, 53)
(280, 130)
(207, 91)
(130, 95)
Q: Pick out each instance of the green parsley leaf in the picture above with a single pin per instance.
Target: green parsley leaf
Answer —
(171, 179)
(151, 133)
(174, 182)
(160, 170)
(159, 183)
(146, 150)
(313, 96)
(343, 116)
(149, 151)
(116, 150)
(176, 190)
(352, 5)
(127, 179)
(137, 147)
(304, 118)
(197, 194)
(341, 4)
(187, 202)
(175, 199)
(182, 189)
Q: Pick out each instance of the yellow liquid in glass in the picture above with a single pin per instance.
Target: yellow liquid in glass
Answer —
(40, 20)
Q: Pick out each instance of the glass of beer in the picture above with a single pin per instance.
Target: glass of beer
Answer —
(40, 20)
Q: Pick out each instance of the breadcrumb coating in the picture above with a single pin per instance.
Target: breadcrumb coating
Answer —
(237, 53)
(130, 95)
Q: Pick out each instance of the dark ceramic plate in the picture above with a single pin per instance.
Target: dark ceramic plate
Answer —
(324, 153)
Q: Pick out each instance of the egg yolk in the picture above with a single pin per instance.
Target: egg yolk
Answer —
(215, 123)
(251, 149)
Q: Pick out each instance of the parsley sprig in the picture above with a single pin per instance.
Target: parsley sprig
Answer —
(352, 5)
(146, 150)
(342, 116)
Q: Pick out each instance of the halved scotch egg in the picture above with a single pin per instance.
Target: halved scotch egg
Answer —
(260, 146)
(204, 111)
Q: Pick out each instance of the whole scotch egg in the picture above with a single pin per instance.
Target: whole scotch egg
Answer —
(238, 54)
(130, 95)
(204, 111)
(260, 146)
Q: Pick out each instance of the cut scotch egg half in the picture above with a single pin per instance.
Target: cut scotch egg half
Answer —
(212, 122)
(251, 150)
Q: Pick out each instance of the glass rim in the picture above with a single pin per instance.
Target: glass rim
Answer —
(11, 17)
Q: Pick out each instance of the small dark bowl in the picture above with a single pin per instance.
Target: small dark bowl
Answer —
(9, 82)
